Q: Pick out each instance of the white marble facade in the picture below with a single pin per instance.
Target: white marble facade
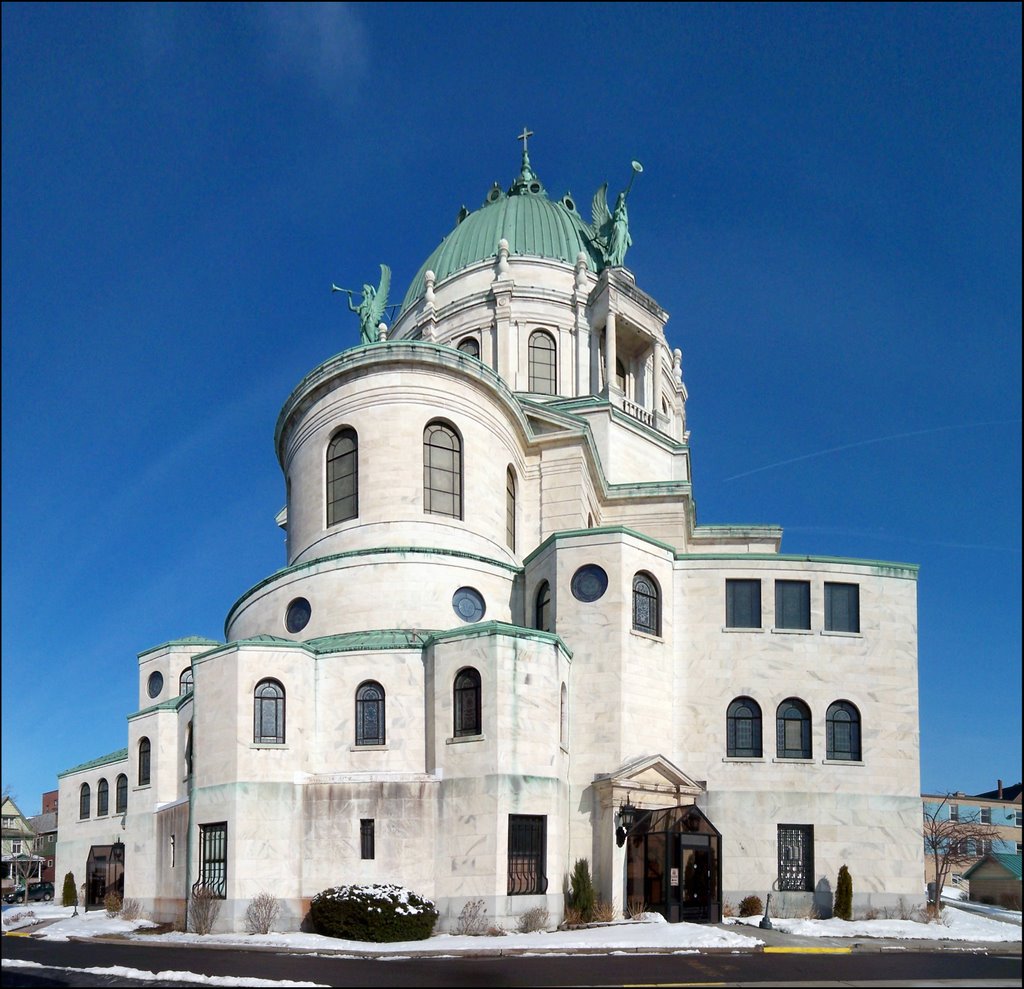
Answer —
(579, 709)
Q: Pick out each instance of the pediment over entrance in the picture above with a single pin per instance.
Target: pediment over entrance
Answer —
(655, 775)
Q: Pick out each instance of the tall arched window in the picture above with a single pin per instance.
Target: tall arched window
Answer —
(144, 752)
(102, 798)
(646, 604)
(620, 376)
(188, 749)
(121, 795)
(268, 713)
(471, 346)
(743, 729)
(543, 367)
(185, 681)
(510, 509)
(842, 732)
(542, 608)
(793, 730)
(370, 714)
(342, 476)
(467, 702)
(84, 802)
(563, 717)
(442, 470)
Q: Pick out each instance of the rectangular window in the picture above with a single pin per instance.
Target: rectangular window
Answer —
(16, 847)
(842, 607)
(1018, 818)
(366, 845)
(213, 858)
(527, 854)
(172, 851)
(796, 857)
(743, 604)
(792, 604)
(986, 815)
(954, 812)
(1020, 847)
(983, 846)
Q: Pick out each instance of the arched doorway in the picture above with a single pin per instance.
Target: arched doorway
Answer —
(674, 864)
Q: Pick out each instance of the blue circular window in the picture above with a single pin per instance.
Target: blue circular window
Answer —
(468, 604)
(155, 684)
(297, 616)
(589, 583)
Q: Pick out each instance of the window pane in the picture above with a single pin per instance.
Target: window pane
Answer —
(796, 856)
(442, 471)
(527, 854)
(542, 364)
(792, 604)
(743, 604)
(343, 477)
(842, 607)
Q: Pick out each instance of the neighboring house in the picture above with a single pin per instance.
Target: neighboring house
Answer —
(996, 879)
(45, 828)
(500, 641)
(999, 808)
(18, 847)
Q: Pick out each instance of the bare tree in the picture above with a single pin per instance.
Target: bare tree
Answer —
(951, 842)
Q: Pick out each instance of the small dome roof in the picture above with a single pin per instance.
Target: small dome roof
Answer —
(533, 225)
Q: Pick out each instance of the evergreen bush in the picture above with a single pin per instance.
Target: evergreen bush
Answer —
(379, 913)
(750, 906)
(581, 895)
(843, 908)
(69, 897)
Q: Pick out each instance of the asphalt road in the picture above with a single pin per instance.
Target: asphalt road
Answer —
(752, 968)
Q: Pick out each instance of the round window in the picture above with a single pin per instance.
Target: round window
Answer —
(468, 604)
(297, 616)
(589, 583)
(155, 684)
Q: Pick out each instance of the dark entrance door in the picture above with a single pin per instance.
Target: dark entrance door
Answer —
(104, 874)
(673, 865)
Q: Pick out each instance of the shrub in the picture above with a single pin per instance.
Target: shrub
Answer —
(203, 910)
(582, 894)
(604, 912)
(261, 913)
(372, 913)
(69, 897)
(572, 918)
(751, 906)
(535, 919)
(131, 909)
(635, 907)
(728, 910)
(843, 907)
(472, 919)
(112, 904)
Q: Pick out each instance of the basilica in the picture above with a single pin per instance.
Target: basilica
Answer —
(501, 641)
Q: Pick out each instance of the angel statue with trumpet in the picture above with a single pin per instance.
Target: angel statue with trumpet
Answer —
(610, 228)
(372, 305)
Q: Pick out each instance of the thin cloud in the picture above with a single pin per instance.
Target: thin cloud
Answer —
(326, 43)
(870, 442)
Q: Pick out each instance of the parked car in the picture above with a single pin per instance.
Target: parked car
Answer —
(36, 892)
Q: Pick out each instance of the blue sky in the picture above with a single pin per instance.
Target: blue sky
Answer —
(830, 210)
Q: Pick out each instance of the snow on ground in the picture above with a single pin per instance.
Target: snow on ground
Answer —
(656, 934)
(194, 978)
(956, 926)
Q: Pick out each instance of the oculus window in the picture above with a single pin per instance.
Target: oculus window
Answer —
(589, 583)
(468, 604)
(297, 616)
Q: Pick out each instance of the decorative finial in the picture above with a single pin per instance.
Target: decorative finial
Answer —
(523, 137)
(525, 173)
(502, 257)
(677, 365)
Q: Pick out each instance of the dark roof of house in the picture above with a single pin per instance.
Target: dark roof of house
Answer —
(1010, 793)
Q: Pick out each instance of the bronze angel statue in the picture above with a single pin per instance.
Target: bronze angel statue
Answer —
(609, 229)
(372, 305)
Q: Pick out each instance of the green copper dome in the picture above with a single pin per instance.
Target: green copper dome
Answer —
(533, 225)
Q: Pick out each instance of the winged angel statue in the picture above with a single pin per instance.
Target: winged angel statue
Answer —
(610, 228)
(372, 305)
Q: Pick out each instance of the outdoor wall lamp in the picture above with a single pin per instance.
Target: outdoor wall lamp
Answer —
(627, 818)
